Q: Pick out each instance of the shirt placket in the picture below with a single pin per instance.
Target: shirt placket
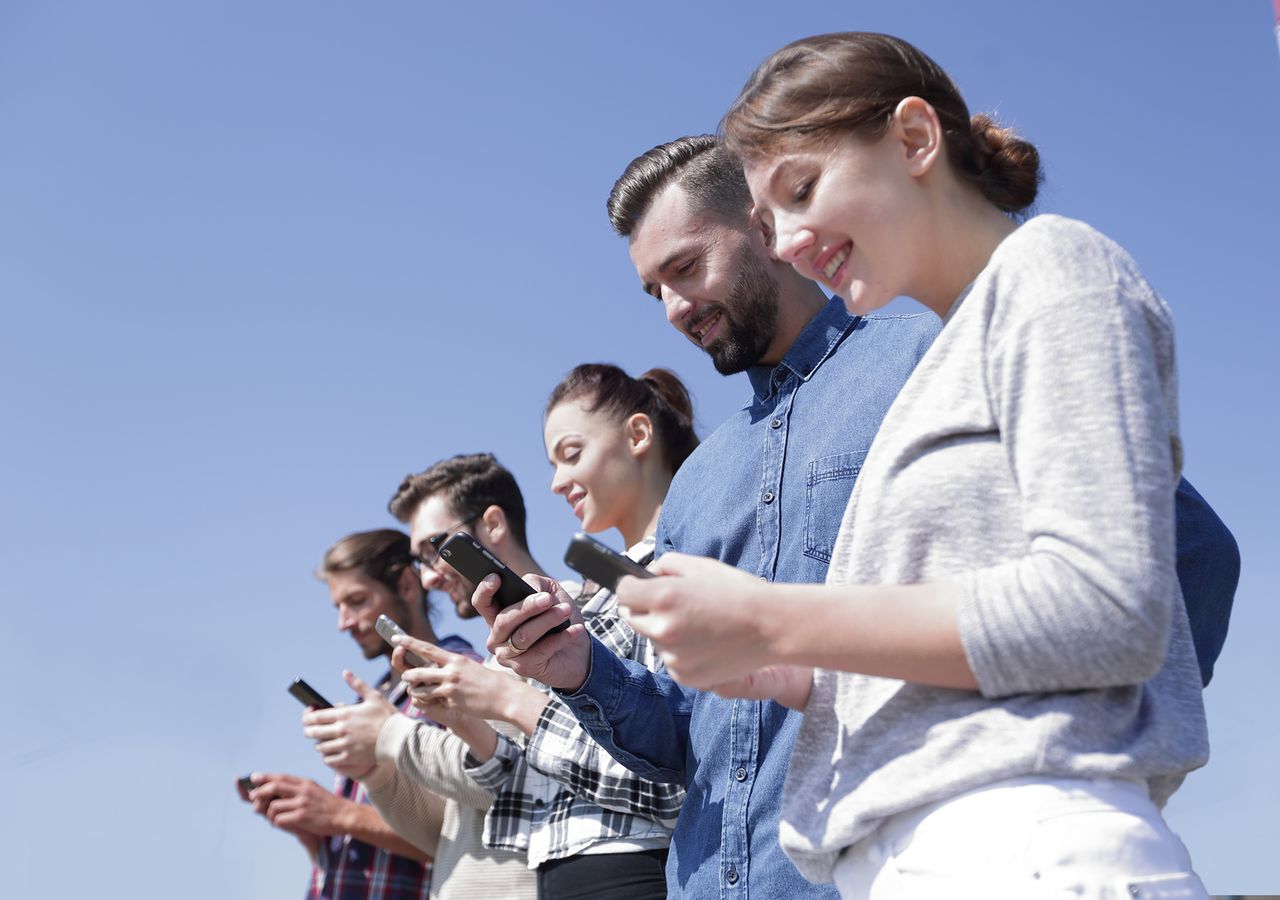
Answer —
(744, 725)
(773, 453)
(744, 741)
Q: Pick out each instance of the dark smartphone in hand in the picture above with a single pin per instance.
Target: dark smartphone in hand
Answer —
(600, 563)
(246, 783)
(307, 695)
(473, 561)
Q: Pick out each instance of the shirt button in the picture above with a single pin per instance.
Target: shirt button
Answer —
(767, 497)
(731, 876)
(776, 423)
(741, 773)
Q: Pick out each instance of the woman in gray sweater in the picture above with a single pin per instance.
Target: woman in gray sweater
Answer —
(999, 684)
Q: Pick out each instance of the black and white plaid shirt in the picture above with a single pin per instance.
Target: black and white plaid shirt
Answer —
(562, 793)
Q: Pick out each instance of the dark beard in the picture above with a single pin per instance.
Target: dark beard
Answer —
(750, 314)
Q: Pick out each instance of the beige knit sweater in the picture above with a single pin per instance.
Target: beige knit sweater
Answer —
(420, 789)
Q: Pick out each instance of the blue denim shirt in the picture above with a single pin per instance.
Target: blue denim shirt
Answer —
(766, 492)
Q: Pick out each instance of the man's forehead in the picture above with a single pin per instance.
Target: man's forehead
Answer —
(348, 582)
(433, 515)
(669, 228)
(670, 216)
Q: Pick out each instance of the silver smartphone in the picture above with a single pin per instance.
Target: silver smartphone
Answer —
(389, 629)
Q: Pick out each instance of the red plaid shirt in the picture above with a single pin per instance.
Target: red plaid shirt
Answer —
(350, 869)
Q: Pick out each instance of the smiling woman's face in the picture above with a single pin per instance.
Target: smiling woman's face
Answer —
(596, 470)
(844, 216)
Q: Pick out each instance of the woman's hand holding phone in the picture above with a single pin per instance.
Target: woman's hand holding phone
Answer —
(712, 623)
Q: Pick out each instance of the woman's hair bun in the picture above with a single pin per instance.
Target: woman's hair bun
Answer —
(1006, 167)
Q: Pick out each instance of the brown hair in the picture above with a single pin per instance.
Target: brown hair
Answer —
(658, 393)
(471, 483)
(381, 555)
(700, 164)
(822, 87)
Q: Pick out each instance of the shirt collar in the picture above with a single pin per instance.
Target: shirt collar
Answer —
(814, 344)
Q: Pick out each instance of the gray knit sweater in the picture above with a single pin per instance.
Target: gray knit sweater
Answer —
(1031, 460)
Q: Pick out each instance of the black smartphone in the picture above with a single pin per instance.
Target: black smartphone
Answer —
(473, 562)
(246, 783)
(387, 627)
(308, 695)
(600, 563)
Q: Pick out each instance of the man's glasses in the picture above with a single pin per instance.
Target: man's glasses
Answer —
(429, 555)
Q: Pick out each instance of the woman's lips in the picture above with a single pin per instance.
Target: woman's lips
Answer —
(831, 265)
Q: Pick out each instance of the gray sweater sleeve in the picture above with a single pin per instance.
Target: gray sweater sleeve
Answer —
(1081, 387)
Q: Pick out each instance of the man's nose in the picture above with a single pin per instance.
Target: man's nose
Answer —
(676, 306)
(430, 578)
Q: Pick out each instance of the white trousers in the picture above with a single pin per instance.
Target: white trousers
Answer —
(1025, 838)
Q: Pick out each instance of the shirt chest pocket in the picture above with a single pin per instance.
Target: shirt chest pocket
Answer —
(826, 494)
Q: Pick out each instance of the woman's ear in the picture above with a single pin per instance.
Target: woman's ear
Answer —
(919, 131)
(639, 434)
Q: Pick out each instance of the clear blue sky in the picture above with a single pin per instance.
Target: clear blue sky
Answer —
(258, 260)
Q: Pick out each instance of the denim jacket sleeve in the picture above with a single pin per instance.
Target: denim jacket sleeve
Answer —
(1208, 571)
(640, 717)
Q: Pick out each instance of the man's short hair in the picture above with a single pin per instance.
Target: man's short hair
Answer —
(471, 483)
(701, 164)
(381, 555)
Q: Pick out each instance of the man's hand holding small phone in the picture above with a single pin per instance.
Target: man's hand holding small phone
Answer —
(456, 685)
(298, 806)
(346, 736)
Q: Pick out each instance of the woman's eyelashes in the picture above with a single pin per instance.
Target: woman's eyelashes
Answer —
(802, 191)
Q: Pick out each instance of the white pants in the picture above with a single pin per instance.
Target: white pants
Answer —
(1025, 838)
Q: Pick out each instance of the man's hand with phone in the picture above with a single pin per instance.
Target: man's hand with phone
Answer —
(520, 638)
(247, 784)
(300, 805)
(455, 684)
(346, 736)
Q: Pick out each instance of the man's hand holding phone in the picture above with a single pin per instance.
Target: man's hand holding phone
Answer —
(346, 736)
(520, 635)
(454, 684)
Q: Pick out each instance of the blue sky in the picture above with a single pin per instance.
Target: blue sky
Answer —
(258, 260)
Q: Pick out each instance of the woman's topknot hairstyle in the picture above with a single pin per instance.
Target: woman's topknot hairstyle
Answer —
(658, 393)
(820, 88)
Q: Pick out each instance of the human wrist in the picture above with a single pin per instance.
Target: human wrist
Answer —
(347, 818)
(507, 707)
(774, 633)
